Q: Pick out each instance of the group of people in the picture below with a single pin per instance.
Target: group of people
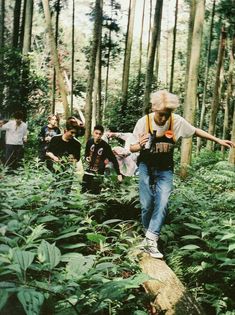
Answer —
(150, 147)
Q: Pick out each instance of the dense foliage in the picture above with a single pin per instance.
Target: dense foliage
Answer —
(71, 254)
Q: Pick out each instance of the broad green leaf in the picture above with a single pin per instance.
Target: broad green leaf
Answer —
(37, 232)
(79, 266)
(49, 254)
(190, 247)
(193, 226)
(96, 238)
(67, 235)
(111, 221)
(140, 313)
(190, 237)
(23, 258)
(3, 298)
(105, 266)
(231, 247)
(47, 218)
(31, 301)
(227, 236)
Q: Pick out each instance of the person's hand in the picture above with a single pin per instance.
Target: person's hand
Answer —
(226, 143)
(56, 159)
(119, 178)
(47, 138)
(143, 139)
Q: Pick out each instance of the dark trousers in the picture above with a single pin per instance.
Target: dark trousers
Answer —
(91, 183)
(13, 155)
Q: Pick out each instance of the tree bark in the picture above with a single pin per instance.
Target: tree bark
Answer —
(150, 26)
(189, 41)
(58, 8)
(203, 108)
(72, 57)
(173, 48)
(192, 77)
(2, 25)
(231, 157)
(91, 76)
(16, 24)
(54, 55)
(152, 51)
(217, 94)
(141, 44)
(127, 57)
(28, 27)
(170, 296)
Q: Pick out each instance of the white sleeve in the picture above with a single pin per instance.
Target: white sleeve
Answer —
(138, 130)
(182, 128)
(6, 126)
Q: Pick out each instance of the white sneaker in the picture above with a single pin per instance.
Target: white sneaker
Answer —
(151, 248)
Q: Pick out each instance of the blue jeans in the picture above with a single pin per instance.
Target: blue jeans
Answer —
(154, 188)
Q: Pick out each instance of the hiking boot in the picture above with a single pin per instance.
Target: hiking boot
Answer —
(151, 248)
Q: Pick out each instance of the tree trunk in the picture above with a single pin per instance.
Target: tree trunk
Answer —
(152, 51)
(189, 41)
(108, 64)
(191, 92)
(203, 109)
(28, 27)
(141, 44)
(56, 43)
(2, 25)
(173, 48)
(150, 26)
(170, 296)
(99, 84)
(216, 94)
(229, 101)
(91, 76)
(54, 55)
(127, 57)
(72, 58)
(157, 53)
(16, 24)
(231, 157)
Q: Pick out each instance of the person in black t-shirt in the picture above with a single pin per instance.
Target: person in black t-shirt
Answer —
(96, 154)
(65, 151)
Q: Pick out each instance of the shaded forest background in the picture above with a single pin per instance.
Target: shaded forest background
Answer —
(105, 57)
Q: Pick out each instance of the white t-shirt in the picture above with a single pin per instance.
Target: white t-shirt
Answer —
(15, 134)
(181, 128)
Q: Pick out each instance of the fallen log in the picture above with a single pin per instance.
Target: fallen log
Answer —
(170, 295)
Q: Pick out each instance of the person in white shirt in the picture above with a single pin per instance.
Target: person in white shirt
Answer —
(16, 136)
(154, 136)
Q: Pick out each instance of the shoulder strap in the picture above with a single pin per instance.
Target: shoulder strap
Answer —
(149, 126)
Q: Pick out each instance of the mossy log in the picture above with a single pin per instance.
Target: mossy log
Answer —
(170, 295)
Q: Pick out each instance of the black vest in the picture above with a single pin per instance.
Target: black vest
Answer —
(160, 154)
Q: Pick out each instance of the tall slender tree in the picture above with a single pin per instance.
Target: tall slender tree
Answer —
(141, 41)
(2, 24)
(173, 47)
(127, 57)
(28, 27)
(152, 51)
(72, 56)
(150, 26)
(203, 107)
(157, 54)
(16, 24)
(55, 58)
(57, 10)
(192, 77)
(217, 87)
(90, 83)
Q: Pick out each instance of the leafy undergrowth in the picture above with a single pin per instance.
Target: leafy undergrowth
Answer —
(68, 254)
(59, 252)
(199, 237)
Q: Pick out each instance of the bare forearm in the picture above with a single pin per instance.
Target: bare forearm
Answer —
(135, 148)
(205, 135)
